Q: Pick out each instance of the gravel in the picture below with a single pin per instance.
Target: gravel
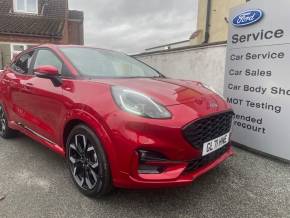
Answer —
(34, 182)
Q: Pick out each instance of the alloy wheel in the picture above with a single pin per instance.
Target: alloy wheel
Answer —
(84, 162)
(3, 122)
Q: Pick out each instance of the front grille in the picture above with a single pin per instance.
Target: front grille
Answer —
(194, 165)
(207, 129)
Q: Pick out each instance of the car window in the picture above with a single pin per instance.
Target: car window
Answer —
(92, 62)
(46, 57)
(22, 64)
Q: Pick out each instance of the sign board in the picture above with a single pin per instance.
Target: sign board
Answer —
(257, 77)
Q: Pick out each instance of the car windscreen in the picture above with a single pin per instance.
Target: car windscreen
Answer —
(95, 63)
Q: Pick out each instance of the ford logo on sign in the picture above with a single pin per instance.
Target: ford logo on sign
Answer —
(248, 17)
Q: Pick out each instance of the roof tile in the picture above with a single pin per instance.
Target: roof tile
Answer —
(31, 26)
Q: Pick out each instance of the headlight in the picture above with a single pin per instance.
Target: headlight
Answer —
(139, 104)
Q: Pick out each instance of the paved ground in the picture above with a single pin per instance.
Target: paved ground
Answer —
(36, 183)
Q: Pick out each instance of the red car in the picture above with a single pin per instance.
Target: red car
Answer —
(117, 121)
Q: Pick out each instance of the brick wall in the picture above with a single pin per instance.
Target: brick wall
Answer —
(33, 40)
(72, 31)
(75, 32)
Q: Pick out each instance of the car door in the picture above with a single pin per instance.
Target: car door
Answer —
(14, 76)
(44, 103)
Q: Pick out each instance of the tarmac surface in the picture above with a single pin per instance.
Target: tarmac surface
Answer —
(34, 182)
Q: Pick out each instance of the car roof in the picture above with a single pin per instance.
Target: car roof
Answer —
(57, 47)
(54, 46)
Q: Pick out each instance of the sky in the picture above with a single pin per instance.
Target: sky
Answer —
(131, 26)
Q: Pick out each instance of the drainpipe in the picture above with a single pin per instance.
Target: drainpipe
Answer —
(207, 25)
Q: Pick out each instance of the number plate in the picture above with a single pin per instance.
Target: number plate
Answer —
(215, 144)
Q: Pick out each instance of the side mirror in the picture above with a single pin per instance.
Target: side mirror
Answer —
(48, 72)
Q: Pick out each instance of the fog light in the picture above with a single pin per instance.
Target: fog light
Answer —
(150, 169)
(151, 162)
(150, 156)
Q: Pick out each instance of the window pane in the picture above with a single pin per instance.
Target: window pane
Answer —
(22, 64)
(104, 63)
(31, 6)
(16, 49)
(19, 48)
(46, 57)
(20, 5)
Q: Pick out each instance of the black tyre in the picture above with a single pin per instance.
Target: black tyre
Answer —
(87, 162)
(5, 131)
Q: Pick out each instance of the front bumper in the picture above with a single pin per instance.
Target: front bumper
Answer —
(130, 134)
(177, 175)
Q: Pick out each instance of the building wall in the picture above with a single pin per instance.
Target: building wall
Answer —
(7, 40)
(29, 40)
(169, 46)
(218, 26)
(52, 9)
(72, 34)
(206, 64)
(1, 61)
(4, 54)
(72, 30)
(75, 32)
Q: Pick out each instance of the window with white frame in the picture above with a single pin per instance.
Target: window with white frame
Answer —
(26, 6)
(16, 49)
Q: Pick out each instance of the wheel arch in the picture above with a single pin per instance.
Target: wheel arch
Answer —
(68, 128)
(82, 117)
